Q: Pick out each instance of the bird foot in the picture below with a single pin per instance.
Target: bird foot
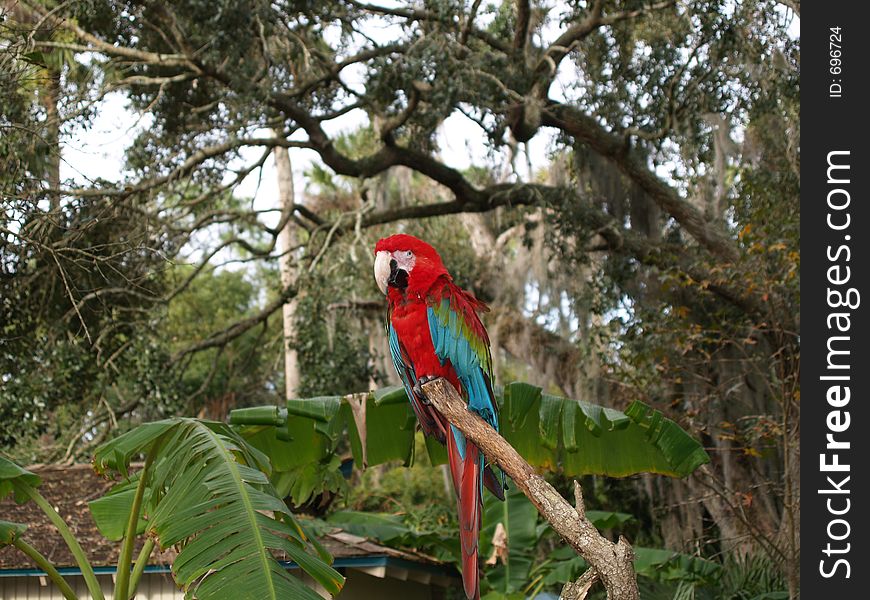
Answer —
(418, 387)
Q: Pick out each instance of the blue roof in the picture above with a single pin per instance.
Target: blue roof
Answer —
(351, 562)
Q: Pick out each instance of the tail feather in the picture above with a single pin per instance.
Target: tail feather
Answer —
(470, 475)
(470, 508)
(454, 460)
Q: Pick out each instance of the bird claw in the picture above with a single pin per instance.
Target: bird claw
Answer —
(418, 388)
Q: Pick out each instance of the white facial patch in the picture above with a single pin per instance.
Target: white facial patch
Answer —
(382, 270)
(405, 260)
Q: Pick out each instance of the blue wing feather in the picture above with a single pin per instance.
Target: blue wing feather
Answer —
(406, 371)
(450, 333)
(451, 343)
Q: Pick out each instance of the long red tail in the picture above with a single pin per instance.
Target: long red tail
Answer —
(466, 480)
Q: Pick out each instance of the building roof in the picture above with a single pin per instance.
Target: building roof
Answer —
(69, 489)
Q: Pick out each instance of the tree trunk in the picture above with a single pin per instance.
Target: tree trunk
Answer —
(287, 240)
(49, 94)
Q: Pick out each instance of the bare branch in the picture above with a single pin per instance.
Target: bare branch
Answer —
(193, 161)
(469, 22)
(577, 590)
(548, 65)
(415, 14)
(239, 328)
(99, 46)
(612, 562)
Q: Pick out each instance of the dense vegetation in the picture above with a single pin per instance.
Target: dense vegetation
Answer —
(653, 256)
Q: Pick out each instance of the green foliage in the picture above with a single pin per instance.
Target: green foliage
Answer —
(203, 489)
(333, 357)
(580, 437)
(241, 371)
(209, 491)
(10, 474)
(645, 439)
(520, 520)
(654, 564)
(410, 507)
(9, 532)
(112, 511)
(312, 428)
(95, 328)
(75, 290)
(668, 575)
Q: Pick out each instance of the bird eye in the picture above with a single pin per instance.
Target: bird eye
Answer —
(410, 254)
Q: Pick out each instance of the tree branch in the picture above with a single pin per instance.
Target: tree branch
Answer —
(521, 33)
(577, 590)
(549, 63)
(99, 46)
(196, 159)
(416, 14)
(612, 562)
(586, 129)
(237, 329)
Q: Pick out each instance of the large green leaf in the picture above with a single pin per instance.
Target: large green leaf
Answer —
(583, 438)
(550, 432)
(10, 473)
(389, 432)
(519, 518)
(9, 531)
(605, 519)
(110, 512)
(208, 493)
(320, 409)
(377, 526)
(673, 442)
(302, 447)
(302, 453)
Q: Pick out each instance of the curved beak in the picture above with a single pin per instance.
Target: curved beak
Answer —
(382, 270)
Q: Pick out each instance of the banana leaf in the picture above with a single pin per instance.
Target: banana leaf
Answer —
(519, 518)
(11, 472)
(9, 531)
(550, 432)
(208, 493)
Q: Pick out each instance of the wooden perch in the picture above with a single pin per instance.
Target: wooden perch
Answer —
(608, 562)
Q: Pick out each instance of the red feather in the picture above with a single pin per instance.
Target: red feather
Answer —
(454, 461)
(470, 507)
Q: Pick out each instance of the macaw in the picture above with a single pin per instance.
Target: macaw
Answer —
(434, 331)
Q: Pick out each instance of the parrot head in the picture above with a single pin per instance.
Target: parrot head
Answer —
(406, 264)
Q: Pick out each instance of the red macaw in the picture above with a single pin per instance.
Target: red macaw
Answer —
(435, 331)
